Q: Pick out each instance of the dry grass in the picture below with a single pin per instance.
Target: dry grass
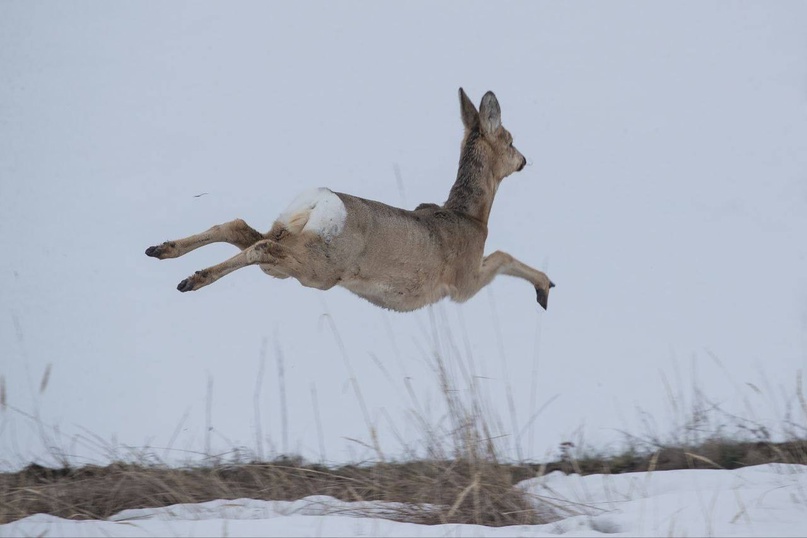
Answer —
(712, 454)
(435, 491)
(459, 479)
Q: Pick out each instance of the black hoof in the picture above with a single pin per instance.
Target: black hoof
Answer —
(184, 286)
(153, 251)
(542, 297)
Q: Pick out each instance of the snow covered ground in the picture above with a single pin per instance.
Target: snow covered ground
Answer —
(765, 500)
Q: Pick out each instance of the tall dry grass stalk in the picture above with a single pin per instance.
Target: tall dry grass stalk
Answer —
(456, 473)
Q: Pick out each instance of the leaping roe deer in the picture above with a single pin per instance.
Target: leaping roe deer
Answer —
(395, 258)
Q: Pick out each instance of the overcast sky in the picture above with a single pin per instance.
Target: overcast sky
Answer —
(666, 197)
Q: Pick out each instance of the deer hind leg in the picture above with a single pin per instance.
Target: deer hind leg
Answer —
(294, 259)
(502, 263)
(236, 232)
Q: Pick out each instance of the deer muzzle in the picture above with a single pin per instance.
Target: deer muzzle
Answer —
(523, 164)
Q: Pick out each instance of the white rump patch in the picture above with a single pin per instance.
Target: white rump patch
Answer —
(317, 210)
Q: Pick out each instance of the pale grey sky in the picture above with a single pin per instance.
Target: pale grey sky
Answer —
(666, 197)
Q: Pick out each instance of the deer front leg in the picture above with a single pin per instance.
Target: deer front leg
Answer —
(502, 263)
(534, 276)
(236, 232)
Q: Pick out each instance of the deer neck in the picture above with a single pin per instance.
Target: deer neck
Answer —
(475, 187)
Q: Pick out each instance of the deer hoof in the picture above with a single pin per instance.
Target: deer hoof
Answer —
(542, 297)
(185, 285)
(194, 282)
(161, 252)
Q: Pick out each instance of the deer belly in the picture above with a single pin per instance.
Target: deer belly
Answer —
(399, 295)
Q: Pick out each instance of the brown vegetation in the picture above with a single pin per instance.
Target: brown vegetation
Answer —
(435, 491)
(438, 491)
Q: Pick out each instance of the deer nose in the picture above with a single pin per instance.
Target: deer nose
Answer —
(523, 163)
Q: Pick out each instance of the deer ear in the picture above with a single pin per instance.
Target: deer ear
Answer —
(470, 117)
(490, 114)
